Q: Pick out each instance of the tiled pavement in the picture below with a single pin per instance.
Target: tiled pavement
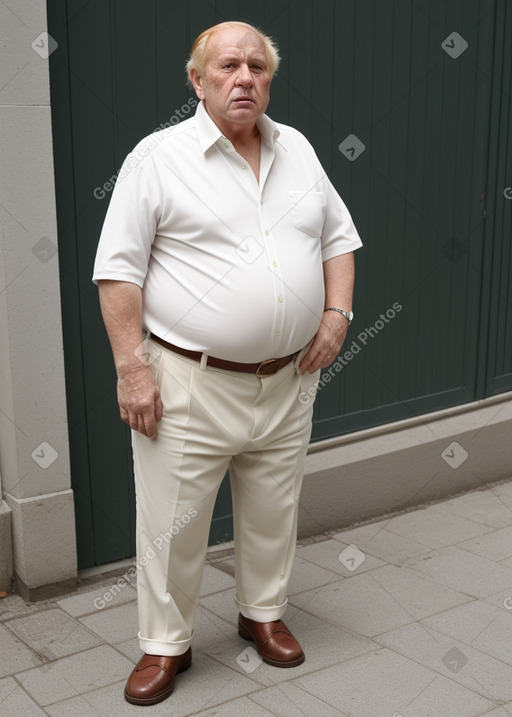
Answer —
(406, 617)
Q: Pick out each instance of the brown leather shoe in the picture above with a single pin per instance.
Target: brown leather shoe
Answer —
(275, 643)
(152, 680)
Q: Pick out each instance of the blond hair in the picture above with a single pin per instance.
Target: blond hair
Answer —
(197, 57)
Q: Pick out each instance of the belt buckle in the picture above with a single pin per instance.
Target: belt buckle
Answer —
(268, 362)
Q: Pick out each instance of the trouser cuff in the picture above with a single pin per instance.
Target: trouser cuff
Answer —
(161, 647)
(262, 614)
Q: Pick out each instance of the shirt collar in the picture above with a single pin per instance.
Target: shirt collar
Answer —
(208, 132)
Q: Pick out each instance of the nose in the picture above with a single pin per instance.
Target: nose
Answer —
(244, 76)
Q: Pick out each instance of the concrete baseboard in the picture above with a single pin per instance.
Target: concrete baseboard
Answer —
(45, 592)
(393, 468)
(6, 564)
(43, 532)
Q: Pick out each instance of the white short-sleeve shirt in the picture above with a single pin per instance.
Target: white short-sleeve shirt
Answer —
(228, 266)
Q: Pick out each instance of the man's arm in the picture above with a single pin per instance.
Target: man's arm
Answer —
(137, 393)
(339, 288)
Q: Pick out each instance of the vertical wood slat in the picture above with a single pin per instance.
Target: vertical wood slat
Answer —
(376, 70)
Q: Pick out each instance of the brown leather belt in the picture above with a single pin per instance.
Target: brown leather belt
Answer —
(264, 368)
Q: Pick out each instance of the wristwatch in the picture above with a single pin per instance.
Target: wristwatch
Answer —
(347, 314)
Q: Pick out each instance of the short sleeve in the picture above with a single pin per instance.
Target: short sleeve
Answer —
(339, 234)
(130, 224)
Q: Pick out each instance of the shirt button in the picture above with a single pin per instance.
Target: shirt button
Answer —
(274, 263)
(243, 166)
(277, 333)
(267, 232)
(280, 299)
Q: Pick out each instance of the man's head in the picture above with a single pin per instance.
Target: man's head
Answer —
(231, 67)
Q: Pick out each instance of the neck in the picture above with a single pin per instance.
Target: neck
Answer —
(238, 134)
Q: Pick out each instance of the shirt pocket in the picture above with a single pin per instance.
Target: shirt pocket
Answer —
(307, 211)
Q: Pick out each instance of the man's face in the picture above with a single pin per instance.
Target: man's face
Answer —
(236, 80)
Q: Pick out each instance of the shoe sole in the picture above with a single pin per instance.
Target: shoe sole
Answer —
(163, 695)
(275, 663)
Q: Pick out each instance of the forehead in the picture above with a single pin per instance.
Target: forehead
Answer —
(235, 40)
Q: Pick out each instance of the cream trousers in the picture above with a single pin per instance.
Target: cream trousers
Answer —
(215, 419)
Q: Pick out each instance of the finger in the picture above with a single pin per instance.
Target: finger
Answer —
(135, 423)
(307, 360)
(151, 430)
(159, 407)
(141, 424)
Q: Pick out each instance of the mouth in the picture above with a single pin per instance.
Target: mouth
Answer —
(243, 100)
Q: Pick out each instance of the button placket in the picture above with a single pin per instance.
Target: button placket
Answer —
(274, 268)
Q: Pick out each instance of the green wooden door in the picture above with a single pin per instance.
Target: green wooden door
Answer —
(408, 107)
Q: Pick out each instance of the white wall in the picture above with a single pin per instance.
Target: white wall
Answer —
(34, 459)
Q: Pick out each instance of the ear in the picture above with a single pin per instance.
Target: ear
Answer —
(197, 83)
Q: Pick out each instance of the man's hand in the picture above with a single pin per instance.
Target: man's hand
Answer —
(327, 342)
(139, 401)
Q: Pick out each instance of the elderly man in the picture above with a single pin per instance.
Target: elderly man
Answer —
(226, 242)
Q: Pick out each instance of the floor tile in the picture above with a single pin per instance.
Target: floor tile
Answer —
(480, 625)
(131, 649)
(408, 616)
(206, 684)
(14, 655)
(242, 706)
(463, 571)
(455, 660)
(15, 701)
(359, 604)
(324, 645)
(222, 604)
(385, 683)
(14, 606)
(330, 553)
(215, 580)
(306, 575)
(503, 711)
(482, 506)
(109, 594)
(375, 540)
(210, 629)
(417, 595)
(289, 700)
(115, 624)
(76, 674)
(53, 634)
(492, 546)
(436, 526)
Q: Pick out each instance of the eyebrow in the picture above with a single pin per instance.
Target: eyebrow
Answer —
(236, 58)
